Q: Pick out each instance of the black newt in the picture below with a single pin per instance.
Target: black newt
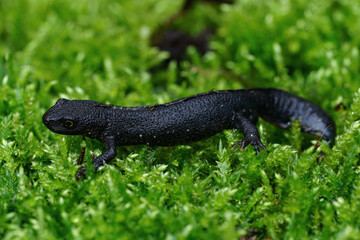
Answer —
(187, 120)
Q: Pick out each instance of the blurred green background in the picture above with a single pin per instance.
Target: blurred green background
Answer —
(102, 50)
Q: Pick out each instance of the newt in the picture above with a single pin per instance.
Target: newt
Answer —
(187, 120)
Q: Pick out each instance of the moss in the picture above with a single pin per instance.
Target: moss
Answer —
(101, 50)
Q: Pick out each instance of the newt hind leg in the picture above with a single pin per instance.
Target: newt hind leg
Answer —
(251, 134)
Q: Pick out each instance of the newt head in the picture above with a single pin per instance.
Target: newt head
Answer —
(73, 117)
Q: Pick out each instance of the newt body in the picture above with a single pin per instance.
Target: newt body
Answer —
(186, 120)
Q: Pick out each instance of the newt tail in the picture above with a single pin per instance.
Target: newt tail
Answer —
(279, 108)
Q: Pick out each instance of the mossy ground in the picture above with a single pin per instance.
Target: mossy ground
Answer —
(101, 50)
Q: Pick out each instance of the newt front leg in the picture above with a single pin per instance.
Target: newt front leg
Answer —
(108, 155)
(99, 161)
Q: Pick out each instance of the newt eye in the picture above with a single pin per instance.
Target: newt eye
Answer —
(68, 123)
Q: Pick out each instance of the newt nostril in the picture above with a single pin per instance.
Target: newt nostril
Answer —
(45, 120)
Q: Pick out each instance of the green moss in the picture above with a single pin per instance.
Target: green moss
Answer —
(100, 50)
